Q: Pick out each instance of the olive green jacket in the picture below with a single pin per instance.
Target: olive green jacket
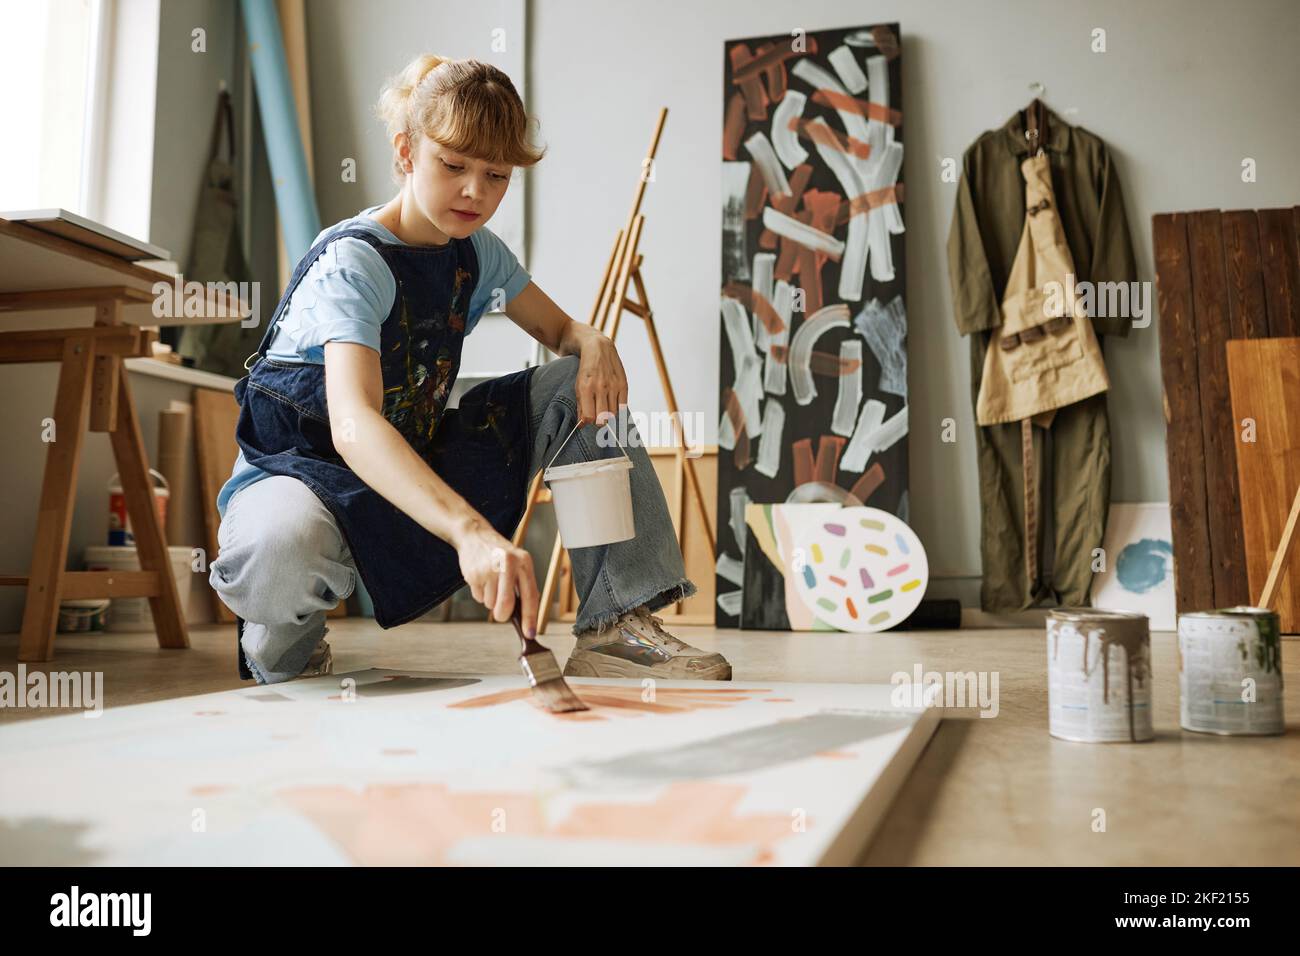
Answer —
(990, 215)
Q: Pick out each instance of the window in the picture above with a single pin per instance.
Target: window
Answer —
(50, 53)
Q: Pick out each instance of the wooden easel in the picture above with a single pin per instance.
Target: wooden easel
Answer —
(623, 267)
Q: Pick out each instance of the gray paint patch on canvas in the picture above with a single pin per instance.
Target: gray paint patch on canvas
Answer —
(413, 685)
(747, 750)
(43, 841)
(885, 329)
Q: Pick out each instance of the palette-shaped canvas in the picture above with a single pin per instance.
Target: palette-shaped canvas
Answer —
(813, 369)
(385, 767)
(819, 567)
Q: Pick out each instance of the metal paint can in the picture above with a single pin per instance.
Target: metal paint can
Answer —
(1099, 676)
(1230, 672)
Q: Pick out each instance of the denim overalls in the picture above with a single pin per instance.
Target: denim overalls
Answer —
(480, 449)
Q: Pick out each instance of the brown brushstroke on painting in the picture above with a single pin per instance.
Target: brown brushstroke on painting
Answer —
(801, 455)
(770, 56)
(733, 126)
(626, 701)
(731, 405)
(398, 751)
(851, 104)
(755, 193)
(836, 754)
(778, 700)
(756, 303)
(747, 78)
(773, 74)
(866, 486)
(829, 448)
(885, 41)
(416, 824)
(835, 366)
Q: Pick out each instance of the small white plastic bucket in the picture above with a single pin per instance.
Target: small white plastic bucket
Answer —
(593, 499)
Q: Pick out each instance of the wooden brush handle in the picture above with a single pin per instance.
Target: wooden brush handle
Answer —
(529, 645)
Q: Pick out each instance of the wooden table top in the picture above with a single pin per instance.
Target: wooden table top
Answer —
(32, 261)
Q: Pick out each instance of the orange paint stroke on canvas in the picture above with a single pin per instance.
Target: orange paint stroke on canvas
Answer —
(625, 701)
(851, 104)
(821, 134)
(416, 824)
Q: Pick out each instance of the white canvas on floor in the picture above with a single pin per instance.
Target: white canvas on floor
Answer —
(383, 767)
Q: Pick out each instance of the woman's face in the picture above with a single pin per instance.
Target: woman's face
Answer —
(455, 192)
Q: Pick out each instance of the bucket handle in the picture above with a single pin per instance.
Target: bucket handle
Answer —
(570, 435)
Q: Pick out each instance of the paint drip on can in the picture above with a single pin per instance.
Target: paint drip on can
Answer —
(1099, 675)
(1230, 672)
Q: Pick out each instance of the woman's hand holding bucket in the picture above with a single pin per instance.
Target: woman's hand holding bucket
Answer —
(495, 569)
(601, 385)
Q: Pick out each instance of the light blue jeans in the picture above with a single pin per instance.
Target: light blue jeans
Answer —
(283, 563)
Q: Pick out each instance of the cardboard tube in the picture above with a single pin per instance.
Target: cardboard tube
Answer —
(175, 448)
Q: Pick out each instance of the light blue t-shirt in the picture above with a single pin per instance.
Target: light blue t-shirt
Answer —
(346, 295)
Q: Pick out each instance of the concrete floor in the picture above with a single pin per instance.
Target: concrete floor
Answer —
(986, 791)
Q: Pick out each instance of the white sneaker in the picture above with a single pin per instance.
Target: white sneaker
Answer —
(637, 645)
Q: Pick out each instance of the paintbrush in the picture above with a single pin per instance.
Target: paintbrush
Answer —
(543, 673)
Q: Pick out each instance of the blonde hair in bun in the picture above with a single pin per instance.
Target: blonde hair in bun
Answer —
(465, 105)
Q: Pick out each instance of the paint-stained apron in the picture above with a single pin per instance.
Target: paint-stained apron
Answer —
(481, 449)
(1044, 355)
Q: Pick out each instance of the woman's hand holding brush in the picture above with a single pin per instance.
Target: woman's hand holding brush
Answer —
(495, 569)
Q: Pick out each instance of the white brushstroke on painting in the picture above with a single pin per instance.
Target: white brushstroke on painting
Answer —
(885, 329)
(802, 233)
(784, 138)
(739, 497)
(858, 176)
(801, 345)
(872, 436)
(890, 431)
(846, 66)
(768, 165)
(878, 73)
(853, 266)
(764, 265)
(773, 365)
(769, 448)
(731, 569)
(730, 602)
(735, 183)
(726, 433)
(850, 394)
(859, 449)
(748, 385)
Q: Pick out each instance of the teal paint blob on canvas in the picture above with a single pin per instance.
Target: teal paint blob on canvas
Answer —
(1144, 564)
